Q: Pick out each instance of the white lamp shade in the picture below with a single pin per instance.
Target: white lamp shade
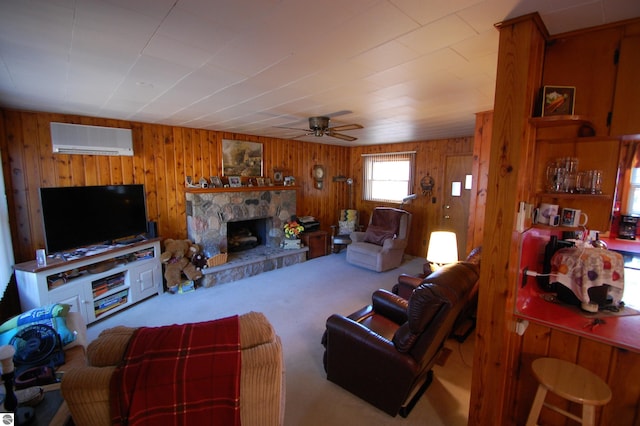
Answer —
(443, 248)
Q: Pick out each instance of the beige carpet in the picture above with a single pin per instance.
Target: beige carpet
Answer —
(297, 300)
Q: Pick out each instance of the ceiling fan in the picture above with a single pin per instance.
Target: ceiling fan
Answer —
(319, 126)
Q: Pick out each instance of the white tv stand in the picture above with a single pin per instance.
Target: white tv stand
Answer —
(96, 284)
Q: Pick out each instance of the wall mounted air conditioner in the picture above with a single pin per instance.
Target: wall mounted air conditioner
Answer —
(90, 140)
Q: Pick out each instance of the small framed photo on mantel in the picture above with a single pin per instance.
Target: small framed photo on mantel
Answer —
(235, 182)
(558, 100)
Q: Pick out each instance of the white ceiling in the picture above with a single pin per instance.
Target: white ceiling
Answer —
(404, 69)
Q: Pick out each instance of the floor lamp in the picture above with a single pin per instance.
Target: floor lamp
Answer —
(349, 182)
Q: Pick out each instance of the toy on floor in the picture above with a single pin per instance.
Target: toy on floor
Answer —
(177, 260)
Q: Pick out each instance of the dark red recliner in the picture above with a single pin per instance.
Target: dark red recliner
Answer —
(384, 352)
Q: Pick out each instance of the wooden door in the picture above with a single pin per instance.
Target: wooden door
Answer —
(458, 185)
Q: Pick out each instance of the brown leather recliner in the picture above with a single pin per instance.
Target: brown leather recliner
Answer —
(466, 321)
(384, 352)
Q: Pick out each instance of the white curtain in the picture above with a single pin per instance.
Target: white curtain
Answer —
(6, 250)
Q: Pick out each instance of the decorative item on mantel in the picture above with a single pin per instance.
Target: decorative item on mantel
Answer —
(292, 230)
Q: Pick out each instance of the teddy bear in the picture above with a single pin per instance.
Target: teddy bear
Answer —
(199, 260)
(177, 260)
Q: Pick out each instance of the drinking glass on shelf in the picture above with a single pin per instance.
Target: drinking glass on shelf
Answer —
(555, 178)
(596, 181)
(583, 184)
(571, 174)
(550, 176)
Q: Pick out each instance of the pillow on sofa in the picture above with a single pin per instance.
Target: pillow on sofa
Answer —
(53, 315)
(346, 227)
(377, 234)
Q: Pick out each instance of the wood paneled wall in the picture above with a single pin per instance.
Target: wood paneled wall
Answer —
(164, 155)
(430, 158)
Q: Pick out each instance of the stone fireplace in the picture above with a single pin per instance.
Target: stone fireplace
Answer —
(212, 214)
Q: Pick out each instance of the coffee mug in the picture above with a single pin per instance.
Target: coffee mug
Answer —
(572, 217)
(546, 211)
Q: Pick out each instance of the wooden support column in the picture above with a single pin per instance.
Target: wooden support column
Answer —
(520, 61)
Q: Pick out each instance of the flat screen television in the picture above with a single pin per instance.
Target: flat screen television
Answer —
(81, 216)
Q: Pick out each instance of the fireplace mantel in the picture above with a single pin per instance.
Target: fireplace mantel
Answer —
(242, 189)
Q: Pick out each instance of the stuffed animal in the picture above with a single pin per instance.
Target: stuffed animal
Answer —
(199, 260)
(177, 259)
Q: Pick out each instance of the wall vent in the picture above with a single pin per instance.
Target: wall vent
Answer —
(90, 140)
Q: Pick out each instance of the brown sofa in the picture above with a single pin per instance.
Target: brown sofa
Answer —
(262, 386)
(384, 352)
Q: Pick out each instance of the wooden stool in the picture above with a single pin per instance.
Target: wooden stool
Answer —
(572, 382)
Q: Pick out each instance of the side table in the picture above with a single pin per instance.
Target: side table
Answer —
(317, 243)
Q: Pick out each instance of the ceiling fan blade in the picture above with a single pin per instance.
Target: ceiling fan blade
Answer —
(333, 134)
(346, 127)
(290, 128)
(302, 135)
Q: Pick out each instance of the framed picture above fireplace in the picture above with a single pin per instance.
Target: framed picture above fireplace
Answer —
(241, 158)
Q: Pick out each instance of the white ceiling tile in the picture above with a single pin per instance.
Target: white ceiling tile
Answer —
(618, 10)
(437, 35)
(563, 20)
(385, 56)
(486, 14)
(426, 11)
(197, 30)
(38, 24)
(479, 45)
(97, 17)
(175, 51)
(404, 69)
(157, 9)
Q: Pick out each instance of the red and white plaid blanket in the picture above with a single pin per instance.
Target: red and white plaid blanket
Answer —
(180, 375)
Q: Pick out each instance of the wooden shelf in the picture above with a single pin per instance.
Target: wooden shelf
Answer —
(558, 120)
(568, 195)
(242, 189)
(579, 139)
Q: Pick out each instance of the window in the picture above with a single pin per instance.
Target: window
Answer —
(388, 177)
(633, 206)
